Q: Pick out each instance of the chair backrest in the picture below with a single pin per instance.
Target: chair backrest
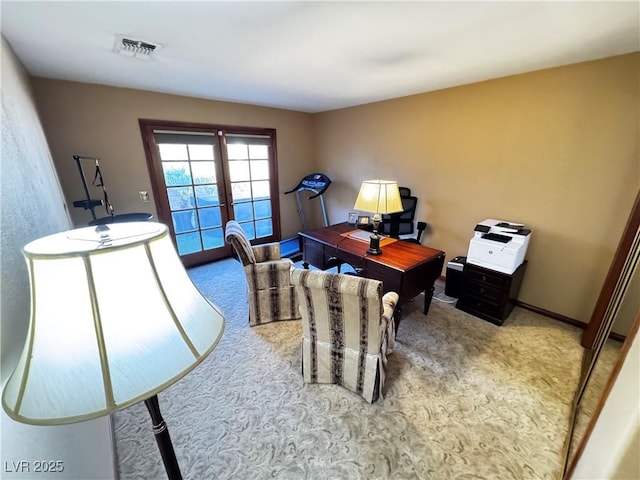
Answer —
(401, 223)
(342, 310)
(237, 238)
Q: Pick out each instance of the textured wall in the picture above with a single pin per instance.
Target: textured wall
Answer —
(32, 206)
(555, 149)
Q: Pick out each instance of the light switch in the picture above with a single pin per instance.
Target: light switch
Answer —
(144, 196)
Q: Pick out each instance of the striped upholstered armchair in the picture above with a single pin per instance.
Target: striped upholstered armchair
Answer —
(270, 294)
(347, 328)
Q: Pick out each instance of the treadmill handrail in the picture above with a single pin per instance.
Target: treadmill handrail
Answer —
(312, 178)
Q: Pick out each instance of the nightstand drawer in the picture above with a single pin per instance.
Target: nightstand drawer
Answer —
(483, 291)
(481, 305)
(475, 305)
(492, 278)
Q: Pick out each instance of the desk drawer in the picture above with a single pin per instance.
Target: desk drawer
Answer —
(392, 281)
(313, 253)
(352, 259)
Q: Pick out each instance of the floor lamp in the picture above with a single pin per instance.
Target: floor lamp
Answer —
(114, 320)
(378, 197)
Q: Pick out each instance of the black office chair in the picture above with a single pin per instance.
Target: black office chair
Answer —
(401, 223)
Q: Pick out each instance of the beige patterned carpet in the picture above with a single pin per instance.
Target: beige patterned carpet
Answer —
(464, 399)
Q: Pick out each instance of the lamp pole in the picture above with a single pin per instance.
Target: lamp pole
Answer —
(161, 432)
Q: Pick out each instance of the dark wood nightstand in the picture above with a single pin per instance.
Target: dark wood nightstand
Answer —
(489, 294)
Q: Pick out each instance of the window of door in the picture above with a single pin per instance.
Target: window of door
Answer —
(204, 175)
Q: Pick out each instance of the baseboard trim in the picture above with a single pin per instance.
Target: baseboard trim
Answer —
(556, 316)
(550, 314)
(563, 318)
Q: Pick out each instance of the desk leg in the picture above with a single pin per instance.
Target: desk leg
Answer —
(428, 295)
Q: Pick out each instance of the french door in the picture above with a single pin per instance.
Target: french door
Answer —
(204, 175)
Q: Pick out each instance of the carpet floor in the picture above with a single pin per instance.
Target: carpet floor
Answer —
(464, 399)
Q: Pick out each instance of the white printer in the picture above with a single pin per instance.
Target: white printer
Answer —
(499, 245)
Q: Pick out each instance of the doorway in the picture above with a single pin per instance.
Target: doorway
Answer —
(204, 175)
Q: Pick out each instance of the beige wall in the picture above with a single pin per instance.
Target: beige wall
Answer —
(555, 149)
(102, 122)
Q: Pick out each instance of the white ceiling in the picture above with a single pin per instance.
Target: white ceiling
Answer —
(312, 56)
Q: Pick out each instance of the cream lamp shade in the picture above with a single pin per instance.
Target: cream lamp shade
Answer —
(379, 197)
(115, 319)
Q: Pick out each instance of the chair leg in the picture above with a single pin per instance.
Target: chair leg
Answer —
(333, 262)
(397, 316)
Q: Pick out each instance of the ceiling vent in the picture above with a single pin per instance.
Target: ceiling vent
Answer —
(131, 47)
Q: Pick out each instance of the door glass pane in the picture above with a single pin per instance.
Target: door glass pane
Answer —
(212, 238)
(264, 228)
(210, 217)
(237, 151)
(184, 221)
(201, 152)
(243, 212)
(181, 198)
(259, 169)
(188, 243)
(241, 191)
(239, 171)
(171, 151)
(249, 230)
(176, 173)
(204, 172)
(207, 195)
(259, 151)
(262, 209)
(261, 189)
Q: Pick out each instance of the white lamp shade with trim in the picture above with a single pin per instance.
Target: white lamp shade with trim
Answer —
(115, 319)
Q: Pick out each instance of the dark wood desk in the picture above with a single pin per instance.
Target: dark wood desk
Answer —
(403, 267)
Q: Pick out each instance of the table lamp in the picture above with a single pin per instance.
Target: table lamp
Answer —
(114, 320)
(378, 197)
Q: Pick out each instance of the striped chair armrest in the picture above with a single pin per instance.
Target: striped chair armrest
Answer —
(237, 238)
